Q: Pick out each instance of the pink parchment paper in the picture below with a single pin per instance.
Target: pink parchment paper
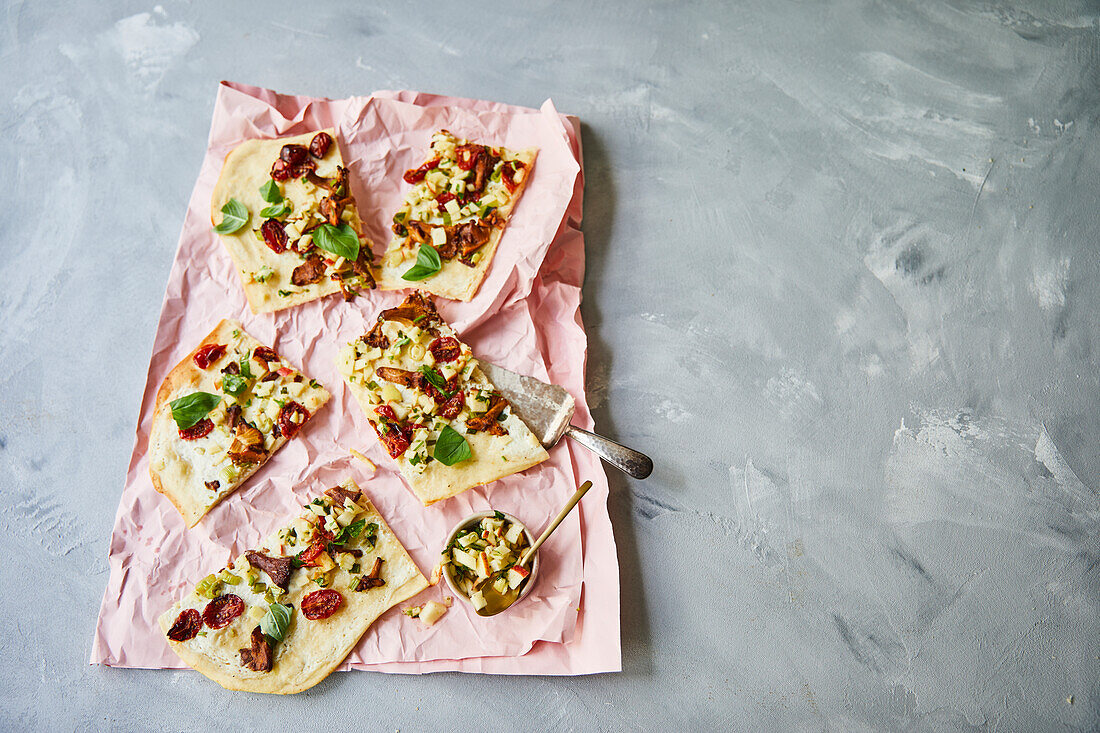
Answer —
(525, 317)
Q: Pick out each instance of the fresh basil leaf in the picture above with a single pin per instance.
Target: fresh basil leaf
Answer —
(271, 193)
(499, 515)
(234, 216)
(436, 379)
(188, 410)
(246, 370)
(275, 210)
(427, 264)
(451, 448)
(370, 536)
(349, 532)
(234, 384)
(276, 621)
(341, 241)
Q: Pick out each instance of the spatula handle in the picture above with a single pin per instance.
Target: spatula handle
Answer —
(625, 459)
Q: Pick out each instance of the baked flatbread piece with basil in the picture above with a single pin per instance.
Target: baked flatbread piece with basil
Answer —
(433, 409)
(285, 614)
(285, 212)
(220, 414)
(448, 229)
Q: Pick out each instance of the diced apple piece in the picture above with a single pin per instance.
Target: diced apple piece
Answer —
(500, 585)
(514, 534)
(431, 612)
(477, 598)
(483, 569)
(464, 558)
(437, 573)
(516, 575)
(497, 563)
(467, 539)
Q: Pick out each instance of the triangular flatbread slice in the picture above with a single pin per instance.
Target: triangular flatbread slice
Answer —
(331, 572)
(297, 209)
(251, 402)
(461, 200)
(433, 409)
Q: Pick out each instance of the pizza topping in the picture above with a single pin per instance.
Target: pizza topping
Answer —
(291, 417)
(469, 238)
(376, 338)
(221, 611)
(212, 485)
(248, 444)
(487, 421)
(274, 235)
(263, 354)
(445, 349)
(309, 272)
(319, 145)
(416, 175)
(373, 579)
(278, 569)
(508, 174)
(208, 354)
(453, 407)
(294, 154)
(187, 626)
(232, 368)
(399, 376)
(233, 414)
(416, 309)
(280, 170)
(311, 556)
(320, 604)
(199, 430)
(259, 658)
(394, 436)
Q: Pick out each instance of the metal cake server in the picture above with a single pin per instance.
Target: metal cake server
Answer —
(547, 410)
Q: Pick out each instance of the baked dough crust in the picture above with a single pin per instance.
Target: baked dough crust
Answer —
(311, 650)
(246, 169)
(454, 280)
(172, 474)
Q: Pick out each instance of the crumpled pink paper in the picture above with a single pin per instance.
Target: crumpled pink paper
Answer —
(525, 317)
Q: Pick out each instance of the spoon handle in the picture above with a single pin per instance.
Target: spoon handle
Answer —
(554, 525)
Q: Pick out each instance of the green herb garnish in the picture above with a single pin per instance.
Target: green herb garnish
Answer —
(436, 379)
(427, 264)
(341, 241)
(276, 621)
(234, 216)
(234, 384)
(275, 210)
(271, 192)
(349, 532)
(451, 447)
(188, 410)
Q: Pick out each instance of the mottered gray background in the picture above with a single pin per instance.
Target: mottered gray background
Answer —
(843, 286)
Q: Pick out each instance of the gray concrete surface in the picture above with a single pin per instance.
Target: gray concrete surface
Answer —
(843, 284)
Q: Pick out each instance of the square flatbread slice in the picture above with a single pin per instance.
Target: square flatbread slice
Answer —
(254, 402)
(433, 409)
(289, 190)
(227, 629)
(460, 202)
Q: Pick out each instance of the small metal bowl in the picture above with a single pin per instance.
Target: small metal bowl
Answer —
(464, 526)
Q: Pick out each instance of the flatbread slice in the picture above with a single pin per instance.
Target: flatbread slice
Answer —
(220, 414)
(301, 237)
(433, 409)
(331, 572)
(458, 207)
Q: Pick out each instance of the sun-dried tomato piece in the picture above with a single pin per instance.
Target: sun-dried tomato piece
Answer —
(264, 354)
(416, 175)
(507, 174)
(274, 235)
(321, 531)
(186, 626)
(294, 154)
(208, 354)
(386, 411)
(321, 604)
(453, 406)
(319, 145)
(199, 430)
(310, 554)
(303, 168)
(280, 170)
(288, 427)
(466, 155)
(442, 199)
(393, 436)
(445, 349)
(221, 611)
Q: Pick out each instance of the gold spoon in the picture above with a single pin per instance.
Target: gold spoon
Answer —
(496, 602)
